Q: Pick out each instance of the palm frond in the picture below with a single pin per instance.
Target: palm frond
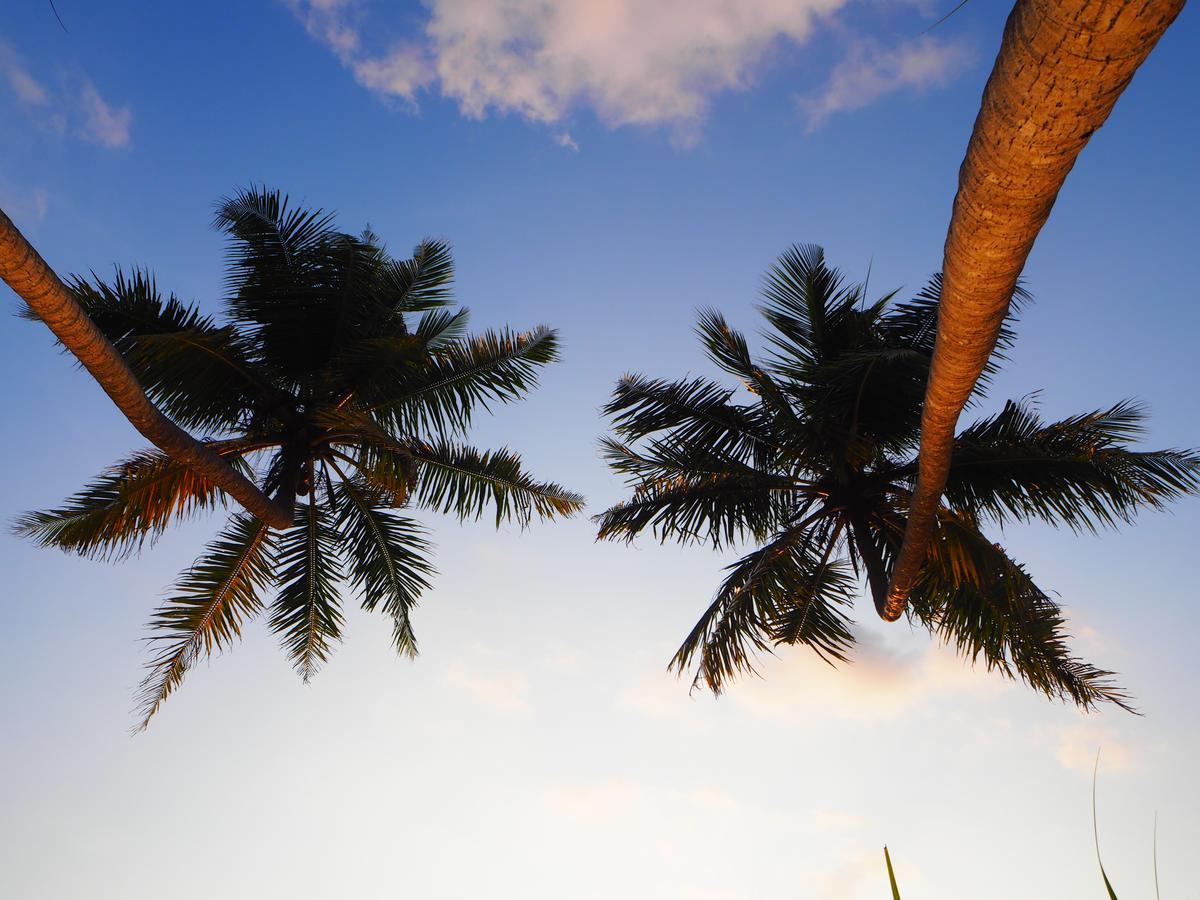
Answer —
(493, 367)
(212, 600)
(285, 279)
(197, 372)
(697, 411)
(352, 270)
(385, 557)
(799, 290)
(274, 236)
(132, 502)
(368, 370)
(307, 612)
(787, 591)
(913, 325)
(422, 282)
(807, 305)
(390, 472)
(1078, 471)
(441, 328)
(464, 481)
(728, 349)
(974, 596)
(689, 493)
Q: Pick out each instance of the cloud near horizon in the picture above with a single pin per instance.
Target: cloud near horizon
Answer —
(879, 683)
(630, 63)
(502, 690)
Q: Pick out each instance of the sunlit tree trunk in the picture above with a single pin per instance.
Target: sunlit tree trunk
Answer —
(1061, 67)
(35, 282)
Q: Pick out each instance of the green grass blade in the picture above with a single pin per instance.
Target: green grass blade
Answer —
(1112, 895)
(1157, 896)
(891, 875)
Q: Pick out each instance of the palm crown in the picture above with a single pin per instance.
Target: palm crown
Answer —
(817, 466)
(340, 376)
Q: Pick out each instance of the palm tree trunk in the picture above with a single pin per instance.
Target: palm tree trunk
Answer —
(1061, 67)
(35, 283)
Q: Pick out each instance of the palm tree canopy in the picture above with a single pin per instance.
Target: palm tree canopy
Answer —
(815, 464)
(343, 382)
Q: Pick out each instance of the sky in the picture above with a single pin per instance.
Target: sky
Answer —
(606, 167)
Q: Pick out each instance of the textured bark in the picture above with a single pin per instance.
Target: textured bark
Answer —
(1061, 67)
(35, 283)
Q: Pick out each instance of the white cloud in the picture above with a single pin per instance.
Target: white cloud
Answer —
(401, 73)
(77, 108)
(1075, 748)
(103, 124)
(332, 22)
(665, 696)
(711, 798)
(603, 803)
(631, 62)
(503, 691)
(620, 801)
(879, 683)
(563, 659)
(27, 205)
(26, 88)
(870, 71)
(837, 819)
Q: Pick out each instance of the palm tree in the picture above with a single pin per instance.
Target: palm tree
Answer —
(1059, 72)
(339, 376)
(816, 467)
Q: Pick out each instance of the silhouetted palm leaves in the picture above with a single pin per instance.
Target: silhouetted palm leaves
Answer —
(812, 459)
(344, 382)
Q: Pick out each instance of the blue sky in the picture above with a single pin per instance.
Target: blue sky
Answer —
(607, 170)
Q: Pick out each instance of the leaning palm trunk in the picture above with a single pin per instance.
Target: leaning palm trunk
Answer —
(35, 283)
(1061, 67)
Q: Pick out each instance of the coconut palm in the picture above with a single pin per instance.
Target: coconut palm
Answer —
(341, 381)
(815, 466)
(1059, 72)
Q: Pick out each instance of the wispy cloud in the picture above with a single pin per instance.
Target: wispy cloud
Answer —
(77, 108)
(502, 690)
(870, 72)
(630, 62)
(880, 683)
(29, 205)
(1075, 748)
(104, 124)
(660, 695)
(564, 139)
(600, 803)
(563, 659)
(27, 89)
(619, 801)
(830, 819)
